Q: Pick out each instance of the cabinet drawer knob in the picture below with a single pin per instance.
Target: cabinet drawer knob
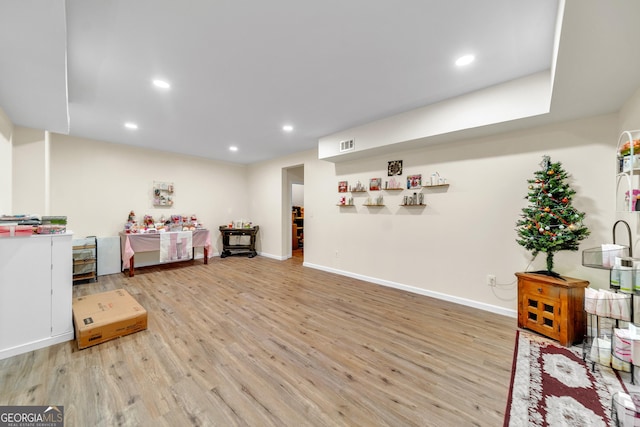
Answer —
(540, 290)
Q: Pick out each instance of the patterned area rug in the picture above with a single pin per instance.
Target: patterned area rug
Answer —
(552, 386)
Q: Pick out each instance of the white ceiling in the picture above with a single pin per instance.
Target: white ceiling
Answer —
(240, 70)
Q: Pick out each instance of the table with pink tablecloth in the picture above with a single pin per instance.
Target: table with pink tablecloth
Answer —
(149, 242)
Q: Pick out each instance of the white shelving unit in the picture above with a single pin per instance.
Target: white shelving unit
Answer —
(85, 259)
(628, 172)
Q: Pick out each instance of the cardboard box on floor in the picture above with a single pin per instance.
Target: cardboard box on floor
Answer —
(105, 316)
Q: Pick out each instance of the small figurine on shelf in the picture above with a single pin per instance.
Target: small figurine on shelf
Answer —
(359, 187)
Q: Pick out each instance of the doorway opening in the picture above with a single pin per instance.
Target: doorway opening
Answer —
(296, 211)
(297, 222)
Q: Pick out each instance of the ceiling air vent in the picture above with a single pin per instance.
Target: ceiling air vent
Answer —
(347, 145)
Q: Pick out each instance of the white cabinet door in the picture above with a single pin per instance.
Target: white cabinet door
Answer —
(61, 285)
(25, 290)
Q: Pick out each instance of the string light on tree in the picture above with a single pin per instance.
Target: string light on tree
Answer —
(550, 223)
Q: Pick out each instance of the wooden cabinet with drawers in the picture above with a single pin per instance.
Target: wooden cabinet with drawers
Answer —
(551, 306)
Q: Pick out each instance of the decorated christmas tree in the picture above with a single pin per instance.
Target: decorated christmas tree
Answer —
(550, 223)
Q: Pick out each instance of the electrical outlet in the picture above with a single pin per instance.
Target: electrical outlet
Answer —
(491, 280)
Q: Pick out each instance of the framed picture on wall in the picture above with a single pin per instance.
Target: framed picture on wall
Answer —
(342, 186)
(414, 181)
(374, 184)
(394, 168)
(162, 194)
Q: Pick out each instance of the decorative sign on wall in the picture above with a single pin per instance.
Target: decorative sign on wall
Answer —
(394, 168)
(163, 193)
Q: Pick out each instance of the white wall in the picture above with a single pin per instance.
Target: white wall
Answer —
(270, 201)
(96, 184)
(30, 159)
(467, 231)
(6, 170)
(630, 113)
(297, 194)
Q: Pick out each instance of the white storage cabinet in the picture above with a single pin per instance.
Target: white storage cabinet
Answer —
(36, 279)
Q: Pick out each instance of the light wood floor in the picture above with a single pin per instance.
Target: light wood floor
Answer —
(259, 342)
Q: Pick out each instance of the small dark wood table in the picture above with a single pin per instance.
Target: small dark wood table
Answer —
(230, 249)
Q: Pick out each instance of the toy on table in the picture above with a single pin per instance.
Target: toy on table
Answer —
(131, 226)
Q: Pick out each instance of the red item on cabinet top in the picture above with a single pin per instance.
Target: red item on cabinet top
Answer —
(24, 230)
(15, 230)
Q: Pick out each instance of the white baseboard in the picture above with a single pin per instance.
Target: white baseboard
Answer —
(277, 257)
(266, 255)
(36, 345)
(438, 295)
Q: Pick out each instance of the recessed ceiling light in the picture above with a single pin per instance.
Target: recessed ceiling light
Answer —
(287, 128)
(465, 60)
(130, 125)
(161, 84)
(233, 148)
